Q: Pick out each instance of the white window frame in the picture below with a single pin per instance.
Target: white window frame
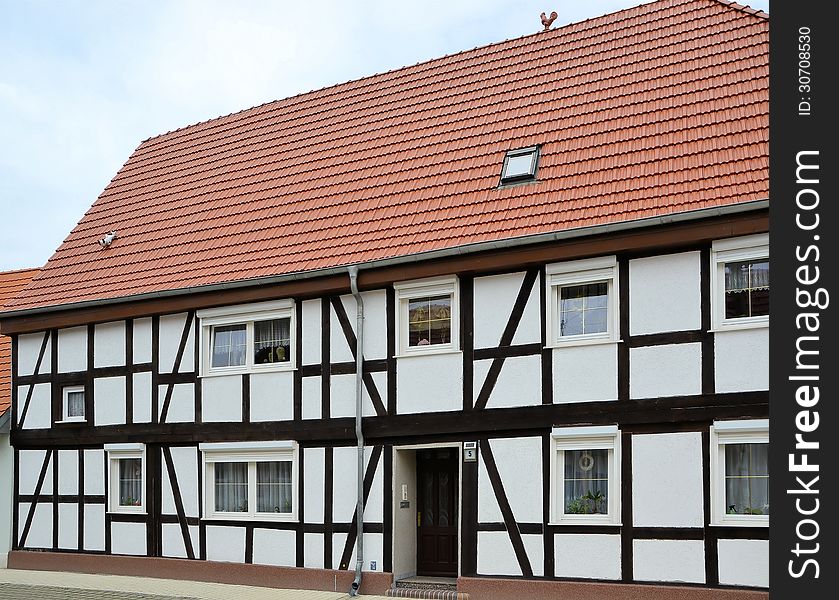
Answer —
(410, 290)
(752, 247)
(246, 315)
(65, 400)
(117, 452)
(251, 453)
(753, 431)
(602, 269)
(605, 437)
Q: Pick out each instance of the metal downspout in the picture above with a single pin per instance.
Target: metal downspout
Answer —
(359, 365)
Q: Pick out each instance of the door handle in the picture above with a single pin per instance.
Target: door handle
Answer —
(419, 518)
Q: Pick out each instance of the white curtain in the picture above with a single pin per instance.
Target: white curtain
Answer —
(747, 479)
(130, 482)
(586, 481)
(273, 487)
(271, 341)
(229, 345)
(231, 487)
(747, 275)
(75, 404)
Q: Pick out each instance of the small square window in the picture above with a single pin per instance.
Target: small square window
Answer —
(520, 165)
(740, 472)
(127, 477)
(248, 338)
(73, 404)
(740, 282)
(583, 301)
(586, 475)
(427, 316)
(250, 480)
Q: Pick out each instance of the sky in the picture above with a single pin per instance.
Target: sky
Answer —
(83, 82)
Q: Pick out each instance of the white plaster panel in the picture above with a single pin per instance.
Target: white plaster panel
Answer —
(338, 541)
(272, 396)
(375, 323)
(109, 400)
(741, 360)
(141, 404)
(669, 560)
(339, 349)
(31, 462)
(94, 472)
(373, 551)
(173, 540)
(72, 350)
(313, 483)
(68, 472)
(142, 341)
(310, 344)
(744, 562)
(373, 508)
(171, 330)
(667, 480)
(40, 532)
(431, 383)
(68, 526)
(28, 349)
(109, 344)
(6, 464)
(94, 527)
(664, 293)
(275, 547)
(313, 550)
(128, 538)
(519, 382)
(312, 404)
(344, 482)
(226, 544)
(39, 415)
(488, 509)
(668, 370)
(519, 463)
(494, 297)
(221, 399)
(534, 547)
(186, 473)
(496, 555)
(591, 556)
(342, 395)
(585, 373)
(182, 404)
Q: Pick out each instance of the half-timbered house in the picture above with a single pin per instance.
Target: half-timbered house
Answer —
(550, 256)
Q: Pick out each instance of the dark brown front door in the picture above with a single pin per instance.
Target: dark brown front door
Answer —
(437, 512)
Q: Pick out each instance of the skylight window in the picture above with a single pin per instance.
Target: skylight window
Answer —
(520, 165)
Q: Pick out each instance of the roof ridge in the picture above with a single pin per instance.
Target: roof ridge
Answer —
(744, 8)
(23, 270)
(430, 61)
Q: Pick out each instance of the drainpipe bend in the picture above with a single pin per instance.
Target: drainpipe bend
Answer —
(359, 407)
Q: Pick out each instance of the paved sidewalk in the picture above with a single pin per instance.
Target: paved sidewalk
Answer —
(50, 585)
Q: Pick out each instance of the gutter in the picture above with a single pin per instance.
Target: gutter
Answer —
(507, 243)
(5, 421)
(359, 407)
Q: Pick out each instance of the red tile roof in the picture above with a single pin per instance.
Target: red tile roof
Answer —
(11, 283)
(653, 110)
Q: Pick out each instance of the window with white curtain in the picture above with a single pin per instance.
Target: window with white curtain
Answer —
(73, 403)
(250, 480)
(740, 282)
(249, 338)
(427, 316)
(585, 473)
(740, 472)
(126, 477)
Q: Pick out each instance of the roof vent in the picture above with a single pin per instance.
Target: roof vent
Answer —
(548, 21)
(108, 239)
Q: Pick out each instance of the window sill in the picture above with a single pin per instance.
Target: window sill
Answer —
(141, 513)
(740, 325)
(743, 522)
(72, 421)
(227, 517)
(582, 342)
(249, 371)
(586, 523)
(428, 352)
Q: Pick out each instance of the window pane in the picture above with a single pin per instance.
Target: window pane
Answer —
(272, 341)
(75, 404)
(586, 481)
(130, 482)
(273, 487)
(747, 289)
(583, 309)
(430, 321)
(229, 345)
(519, 165)
(747, 479)
(231, 487)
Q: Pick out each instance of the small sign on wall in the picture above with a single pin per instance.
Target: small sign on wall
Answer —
(470, 451)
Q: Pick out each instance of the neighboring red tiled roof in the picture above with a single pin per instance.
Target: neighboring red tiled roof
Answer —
(648, 111)
(11, 283)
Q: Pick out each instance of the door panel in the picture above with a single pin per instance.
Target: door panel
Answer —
(437, 500)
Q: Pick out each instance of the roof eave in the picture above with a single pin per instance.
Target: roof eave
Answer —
(473, 248)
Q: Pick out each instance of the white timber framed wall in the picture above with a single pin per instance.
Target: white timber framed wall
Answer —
(502, 385)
